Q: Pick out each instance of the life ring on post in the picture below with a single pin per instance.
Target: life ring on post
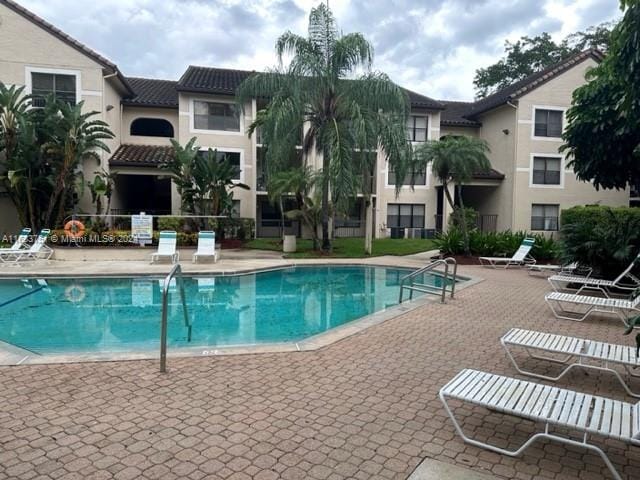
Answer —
(74, 228)
(75, 293)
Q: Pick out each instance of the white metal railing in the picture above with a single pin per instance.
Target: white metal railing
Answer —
(176, 272)
(408, 281)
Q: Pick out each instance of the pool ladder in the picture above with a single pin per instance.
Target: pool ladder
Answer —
(408, 281)
(176, 272)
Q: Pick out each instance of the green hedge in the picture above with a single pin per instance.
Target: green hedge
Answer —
(495, 244)
(225, 228)
(604, 238)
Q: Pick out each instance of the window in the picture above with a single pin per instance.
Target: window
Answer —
(235, 209)
(548, 123)
(151, 127)
(546, 170)
(216, 116)
(417, 128)
(405, 215)
(62, 87)
(419, 177)
(232, 157)
(544, 217)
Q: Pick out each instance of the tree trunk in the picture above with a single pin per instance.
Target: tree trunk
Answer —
(326, 243)
(463, 220)
(368, 230)
(281, 218)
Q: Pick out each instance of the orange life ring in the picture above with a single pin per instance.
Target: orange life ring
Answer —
(74, 228)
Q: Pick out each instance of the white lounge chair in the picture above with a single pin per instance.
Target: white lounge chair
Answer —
(20, 242)
(552, 406)
(626, 281)
(576, 353)
(521, 257)
(568, 269)
(206, 246)
(623, 308)
(39, 250)
(167, 247)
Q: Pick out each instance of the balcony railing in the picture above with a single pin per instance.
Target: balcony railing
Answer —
(348, 228)
(484, 223)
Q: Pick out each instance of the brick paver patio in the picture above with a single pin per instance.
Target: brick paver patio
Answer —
(363, 408)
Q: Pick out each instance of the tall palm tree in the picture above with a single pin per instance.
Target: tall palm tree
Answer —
(455, 159)
(344, 112)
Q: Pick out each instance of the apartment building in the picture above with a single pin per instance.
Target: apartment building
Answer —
(527, 187)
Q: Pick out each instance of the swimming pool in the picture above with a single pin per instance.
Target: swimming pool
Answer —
(62, 316)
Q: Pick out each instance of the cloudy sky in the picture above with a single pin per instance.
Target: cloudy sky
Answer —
(430, 46)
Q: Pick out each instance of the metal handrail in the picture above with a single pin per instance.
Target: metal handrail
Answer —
(431, 288)
(176, 272)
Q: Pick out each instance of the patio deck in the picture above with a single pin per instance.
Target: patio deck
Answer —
(365, 407)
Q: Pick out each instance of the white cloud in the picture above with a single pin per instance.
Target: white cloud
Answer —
(430, 46)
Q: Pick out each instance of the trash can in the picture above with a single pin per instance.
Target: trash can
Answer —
(289, 244)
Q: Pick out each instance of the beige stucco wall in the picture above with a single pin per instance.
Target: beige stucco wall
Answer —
(225, 141)
(24, 47)
(129, 114)
(499, 200)
(420, 194)
(556, 93)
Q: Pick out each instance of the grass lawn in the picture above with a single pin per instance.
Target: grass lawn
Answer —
(348, 247)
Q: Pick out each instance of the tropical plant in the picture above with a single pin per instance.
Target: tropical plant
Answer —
(604, 238)
(602, 137)
(73, 138)
(102, 186)
(455, 159)
(16, 144)
(345, 113)
(468, 215)
(42, 149)
(310, 213)
(297, 182)
(494, 244)
(204, 181)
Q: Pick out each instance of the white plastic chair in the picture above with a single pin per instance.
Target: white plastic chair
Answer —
(626, 281)
(20, 242)
(38, 250)
(167, 247)
(519, 258)
(551, 406)
(206, 246)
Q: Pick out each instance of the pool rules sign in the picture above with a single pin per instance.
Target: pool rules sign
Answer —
(142, 228)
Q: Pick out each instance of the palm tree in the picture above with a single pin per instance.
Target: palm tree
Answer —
(73, 137)
(296, 181)
(14, 133)
(204, 182)
(455, 159)
(344, 113)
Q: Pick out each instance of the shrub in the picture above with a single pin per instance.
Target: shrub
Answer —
(497, 244)
(604, 238)
(469, 214)
(170, 223)
(450, 242)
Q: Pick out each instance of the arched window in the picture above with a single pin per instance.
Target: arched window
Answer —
(151, 127)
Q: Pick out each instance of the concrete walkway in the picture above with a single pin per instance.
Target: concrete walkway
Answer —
(132, 262)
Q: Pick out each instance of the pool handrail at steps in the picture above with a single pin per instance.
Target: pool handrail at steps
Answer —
(431, 289)
(176, 272)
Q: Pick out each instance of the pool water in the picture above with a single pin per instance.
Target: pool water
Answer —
(60, 316)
